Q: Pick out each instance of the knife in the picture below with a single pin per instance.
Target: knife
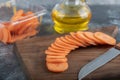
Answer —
(99, 61)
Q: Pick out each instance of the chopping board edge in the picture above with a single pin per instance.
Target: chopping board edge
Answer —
(27, 75)
(23, 65)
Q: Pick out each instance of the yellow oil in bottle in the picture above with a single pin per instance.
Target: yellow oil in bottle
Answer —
(71, 18)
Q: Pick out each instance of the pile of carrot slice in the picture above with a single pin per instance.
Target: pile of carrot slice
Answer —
(56, 60)
(21, 25)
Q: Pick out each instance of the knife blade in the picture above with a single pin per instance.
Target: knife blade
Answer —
(98, 62)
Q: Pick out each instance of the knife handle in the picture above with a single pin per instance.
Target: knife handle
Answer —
(117, 46)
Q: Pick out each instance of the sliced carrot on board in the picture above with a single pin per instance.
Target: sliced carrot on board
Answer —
(57, 67)
(72, 40)
(81, 36)
(54, 53)
(64, 47)
(73, 34)
(105, 38)
(68, 38)
(67, 42)
(55, 50)
(55, 57)
(90, 35)
(68, 46)
(60, 60)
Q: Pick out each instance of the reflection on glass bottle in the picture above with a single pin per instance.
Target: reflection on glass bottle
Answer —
(71, 15)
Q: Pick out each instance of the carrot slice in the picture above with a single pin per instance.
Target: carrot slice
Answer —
(18, 15)
(1, 34)
(55, 50)
(9, 26)
(67, 42)
(71, 45)
(54, 53)
(77, 39)
(72, 40)
(32, 33)
(55, 60)
(55, 57)
(9, 37)
(34, 20)
(24, 28)
(68, 46)
(57, 67)
(68, 38)
(81, 36)
(105, 38)
(91, 36)
(18, 37)
(5, 35)
(62, 46)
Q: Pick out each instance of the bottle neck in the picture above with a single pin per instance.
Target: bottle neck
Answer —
(73, 2)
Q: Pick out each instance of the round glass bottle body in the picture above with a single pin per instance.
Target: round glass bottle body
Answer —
(70, 16)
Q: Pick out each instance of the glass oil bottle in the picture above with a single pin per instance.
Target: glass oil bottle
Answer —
(70, 16)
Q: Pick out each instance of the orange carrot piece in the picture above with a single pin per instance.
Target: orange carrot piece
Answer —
(32, 33)
(1, 34)
(91, 36)
(24, 28)
(72, 40)
(8, 25)
(62, 46)
(18, 37)
(9, 37)
(55, 50)
(54, 53)
(59, 60)
(68, 46)
(56, 47)
(18, 15)
(5, 35)
(57, 67)
(55, 57)
(72, 46)
(82, 37)
(105, 38)
(34, 20)
(67, 42)
(82, 43)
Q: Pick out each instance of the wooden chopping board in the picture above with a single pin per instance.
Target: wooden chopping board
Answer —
(31, 55)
